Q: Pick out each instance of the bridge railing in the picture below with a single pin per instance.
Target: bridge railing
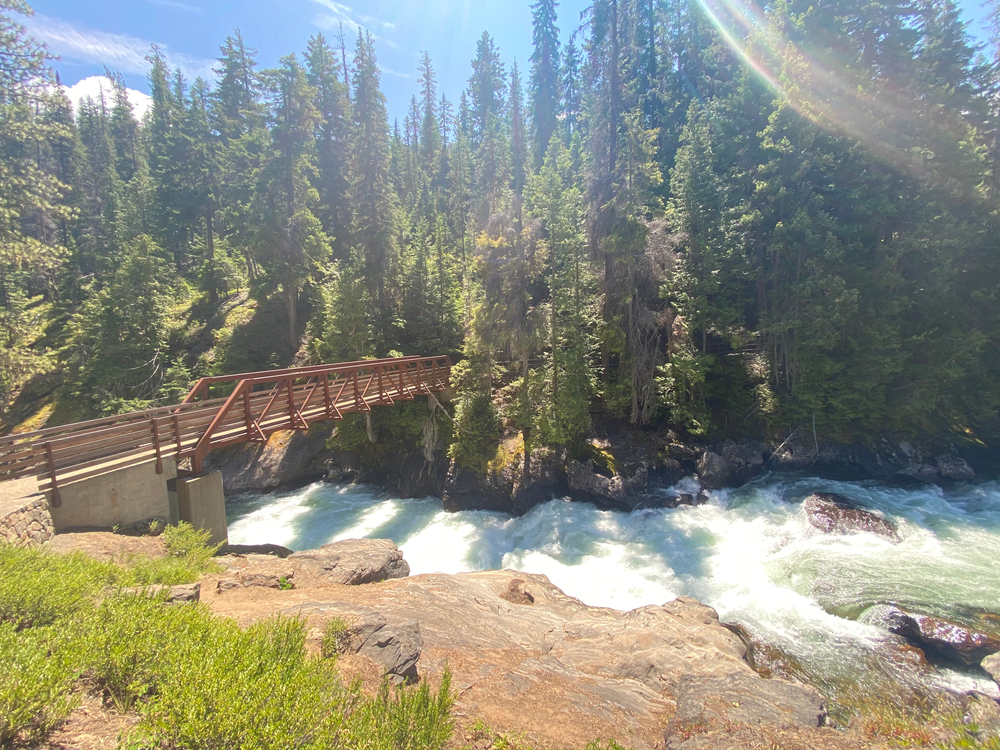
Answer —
(257, 405)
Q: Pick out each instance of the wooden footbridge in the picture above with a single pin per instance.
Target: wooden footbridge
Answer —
(218, 412)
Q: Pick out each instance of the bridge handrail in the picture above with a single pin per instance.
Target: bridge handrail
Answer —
(191, 429)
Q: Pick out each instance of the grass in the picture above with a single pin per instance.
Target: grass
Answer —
(195, 680)
(335, 637)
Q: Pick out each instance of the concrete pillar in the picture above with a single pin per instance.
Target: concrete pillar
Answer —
(120, 498)
(201, 502)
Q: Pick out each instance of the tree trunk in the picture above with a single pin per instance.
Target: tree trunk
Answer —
(291, 304)
(213, 289)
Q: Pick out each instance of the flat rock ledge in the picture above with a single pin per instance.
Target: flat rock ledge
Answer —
(526, 658)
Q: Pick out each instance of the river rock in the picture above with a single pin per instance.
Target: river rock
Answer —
(948, 641)
(597, 672)
(356, 561)
(254, 549)
(954, 468)
(287, 456)
(738, 698)
(466, 489)
(835, 514)
(547, 480)
(587, 485)
(992, 666)
(713, 471)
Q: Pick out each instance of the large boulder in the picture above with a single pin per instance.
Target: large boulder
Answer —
(954, 468)
(991, 664)
(466, 489)
(713, 471)
(835, 514)
(586, 485)
(738, 698)
(546, 480)
(356, 561)
(946, 640)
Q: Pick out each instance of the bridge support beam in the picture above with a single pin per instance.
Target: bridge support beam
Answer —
(201, 502)
(120, 498)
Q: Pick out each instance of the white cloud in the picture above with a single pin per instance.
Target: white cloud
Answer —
(93, 86)
(120, 53)
(344, 14)
(394, 73)
(175, 5)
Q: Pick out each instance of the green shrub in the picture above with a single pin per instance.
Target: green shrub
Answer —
(132, 641)
(412, 719)
(37, 673)
(185, 541)
(250, 688)
(334, 638)
(37, 588)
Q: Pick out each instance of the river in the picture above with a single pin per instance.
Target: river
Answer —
(749, 552)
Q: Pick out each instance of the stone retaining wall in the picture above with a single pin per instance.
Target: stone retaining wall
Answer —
(28, 525)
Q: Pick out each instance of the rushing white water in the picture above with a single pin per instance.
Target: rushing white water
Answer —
(750, 553)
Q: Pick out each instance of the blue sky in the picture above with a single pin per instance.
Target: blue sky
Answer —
(117, 33)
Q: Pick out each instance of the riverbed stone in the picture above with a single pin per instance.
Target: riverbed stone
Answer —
(356, 561)
(946, 640)
(738, 698)
(835, 514)
(713, 471)
(587, 485)
(992, 666)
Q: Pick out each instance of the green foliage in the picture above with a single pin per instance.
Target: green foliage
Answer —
(334, 638)
(37, 673)
(404, 719)
(37, 589)
(185, 541)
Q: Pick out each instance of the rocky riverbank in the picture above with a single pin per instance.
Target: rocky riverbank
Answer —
(527, 660)
(616, 470)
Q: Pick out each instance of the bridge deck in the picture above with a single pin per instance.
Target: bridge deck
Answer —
(254, 406)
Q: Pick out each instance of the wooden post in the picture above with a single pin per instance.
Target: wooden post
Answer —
(56, 499)
(357, 394)
(291, 401)
(326, 394)
(247, 413)
(156, 445)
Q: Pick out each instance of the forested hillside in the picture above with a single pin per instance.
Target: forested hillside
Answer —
(689, 215)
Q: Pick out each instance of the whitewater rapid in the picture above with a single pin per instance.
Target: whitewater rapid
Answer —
(750, 553)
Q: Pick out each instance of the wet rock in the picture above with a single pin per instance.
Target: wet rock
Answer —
(983, 713)
(938, 638)
(745, 460)
(834, 514)
(356, 561)
(287, 456)
(465, 489)
(708, 700)
(713, 471)
(954, 468)
(764, 658)
(991, 664)
(586, 485)
(669, 470)
(255, 549)
(547, 480)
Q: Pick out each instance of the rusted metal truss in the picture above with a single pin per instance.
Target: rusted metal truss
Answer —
(218, 412)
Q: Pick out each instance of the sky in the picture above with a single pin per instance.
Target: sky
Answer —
(116, 34)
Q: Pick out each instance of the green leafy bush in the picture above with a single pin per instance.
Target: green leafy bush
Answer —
(412, 719)
(184, 540)
(37, 673)
(132, 642)
(37, 588)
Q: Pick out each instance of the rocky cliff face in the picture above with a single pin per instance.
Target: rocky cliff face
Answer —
(625, 466)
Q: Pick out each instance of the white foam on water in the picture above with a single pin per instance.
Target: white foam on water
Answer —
(751, 553)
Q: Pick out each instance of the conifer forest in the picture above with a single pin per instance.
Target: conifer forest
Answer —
(656, 222)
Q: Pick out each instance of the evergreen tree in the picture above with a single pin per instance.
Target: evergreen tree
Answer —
(544, 88)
